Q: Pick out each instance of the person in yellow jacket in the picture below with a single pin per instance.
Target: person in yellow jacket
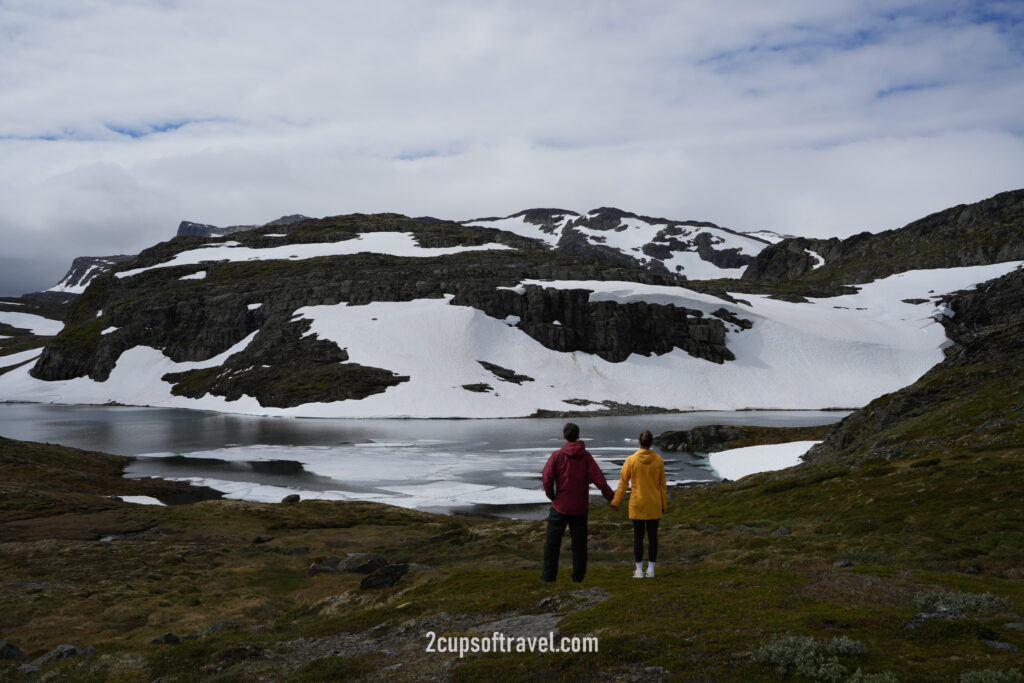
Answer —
(648, 500)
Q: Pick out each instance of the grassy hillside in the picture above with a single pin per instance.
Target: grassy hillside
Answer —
(989, 231)
(742, 564)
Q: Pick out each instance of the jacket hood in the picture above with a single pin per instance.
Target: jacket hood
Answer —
(645, 456)
(574, 449)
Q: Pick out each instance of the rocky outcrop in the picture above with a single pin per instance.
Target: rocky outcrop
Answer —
(723, 258)
(706, 439)
(574, 242)
(282, 368)
(504, 374)
(788, 259)
(83, 270)
(989, 231)
(567, 320)
(60, 653)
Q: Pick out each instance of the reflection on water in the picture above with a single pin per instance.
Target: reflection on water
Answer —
(475, 466)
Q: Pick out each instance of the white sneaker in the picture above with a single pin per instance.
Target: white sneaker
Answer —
(650, 573)
(638, 574)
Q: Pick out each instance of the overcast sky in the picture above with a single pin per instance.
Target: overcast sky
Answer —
(119, 118)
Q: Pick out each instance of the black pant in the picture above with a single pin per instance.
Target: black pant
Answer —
(638, 539)
(553, 544)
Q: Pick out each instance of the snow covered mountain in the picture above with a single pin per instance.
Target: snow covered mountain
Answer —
(384, 315)
(82, 271)
(694, 249)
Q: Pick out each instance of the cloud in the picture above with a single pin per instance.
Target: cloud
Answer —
(120, 119)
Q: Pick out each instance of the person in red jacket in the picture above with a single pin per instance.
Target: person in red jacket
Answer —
(567, 477)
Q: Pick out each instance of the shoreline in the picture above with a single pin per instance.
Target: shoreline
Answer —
(619, 410)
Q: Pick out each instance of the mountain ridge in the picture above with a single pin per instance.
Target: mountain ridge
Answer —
(349, 315)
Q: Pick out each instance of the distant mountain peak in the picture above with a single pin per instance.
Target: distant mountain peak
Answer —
(188, 228)
(692, 249)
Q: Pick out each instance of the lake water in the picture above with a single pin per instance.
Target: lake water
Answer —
(452, 466)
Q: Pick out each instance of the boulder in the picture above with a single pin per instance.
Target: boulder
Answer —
(9, 651)
(291, 498)
(386, 576)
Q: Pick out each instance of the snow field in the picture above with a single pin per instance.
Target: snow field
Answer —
(834, 352)
(36, 324)
(394, 243)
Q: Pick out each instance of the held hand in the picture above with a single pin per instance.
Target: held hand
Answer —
(614, 507)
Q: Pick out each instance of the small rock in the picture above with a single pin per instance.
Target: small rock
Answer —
(9, 651)
(261, 539)
(843, 564)
(1000, 645)
(293, 498)
(577, 600)
(937, 613)
(385, 576)
(781, 531)
(551, 604)
(1017, 626)
(168, 639)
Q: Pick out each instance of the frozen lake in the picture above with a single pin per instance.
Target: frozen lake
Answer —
(452, 466)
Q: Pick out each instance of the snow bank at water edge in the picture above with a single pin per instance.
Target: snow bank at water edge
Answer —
(737, 463)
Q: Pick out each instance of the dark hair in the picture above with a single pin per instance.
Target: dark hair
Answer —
(646, 439)
(571, 431)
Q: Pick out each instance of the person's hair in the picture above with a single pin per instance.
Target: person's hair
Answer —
(571, 431)
(646, 439)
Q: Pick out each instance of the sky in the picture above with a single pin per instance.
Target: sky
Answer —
(120, 118)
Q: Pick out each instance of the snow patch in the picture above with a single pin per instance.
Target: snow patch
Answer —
(36, 324)
(198, 275)
(737, 463)
(141, 500)
(13, 359)
(394, 243)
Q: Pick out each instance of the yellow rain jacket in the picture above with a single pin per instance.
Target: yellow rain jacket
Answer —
(649, 497)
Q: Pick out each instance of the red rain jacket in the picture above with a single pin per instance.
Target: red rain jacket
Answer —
(567, 477)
